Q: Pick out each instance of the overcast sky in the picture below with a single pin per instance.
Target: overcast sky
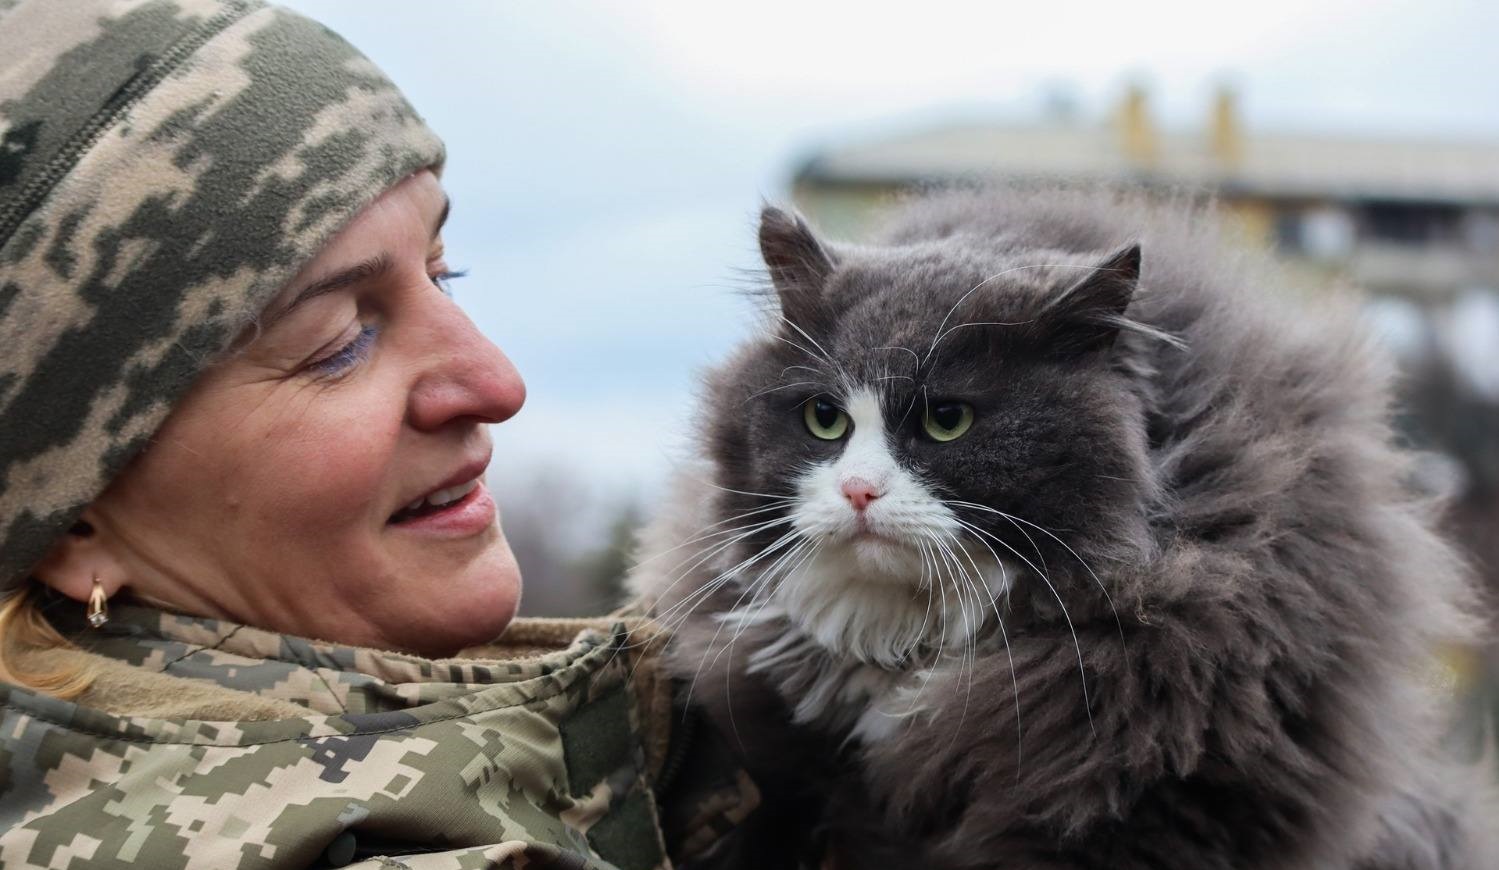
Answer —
(607, 159)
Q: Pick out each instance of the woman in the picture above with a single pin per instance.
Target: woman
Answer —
(240, 411)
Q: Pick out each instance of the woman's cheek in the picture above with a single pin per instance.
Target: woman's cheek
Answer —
(330, 471)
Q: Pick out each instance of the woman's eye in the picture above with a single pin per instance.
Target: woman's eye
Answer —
(441, 279)
(825, 420)
(946, 421)
(347, 356)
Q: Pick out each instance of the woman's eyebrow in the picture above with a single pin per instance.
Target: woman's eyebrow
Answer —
(374, 267)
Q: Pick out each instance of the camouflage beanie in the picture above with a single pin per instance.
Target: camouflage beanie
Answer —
(165, 167)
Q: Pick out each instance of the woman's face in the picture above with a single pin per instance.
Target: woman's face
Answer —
(278, 492)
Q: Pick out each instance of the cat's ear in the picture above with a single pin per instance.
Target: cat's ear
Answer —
(799, 265)
(1088, 315)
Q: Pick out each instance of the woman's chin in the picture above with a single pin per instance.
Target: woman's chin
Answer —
(464, 608)
(492, 606)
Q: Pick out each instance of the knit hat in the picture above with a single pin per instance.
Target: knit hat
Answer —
(165, 167)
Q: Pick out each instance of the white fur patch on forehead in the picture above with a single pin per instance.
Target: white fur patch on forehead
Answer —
(867, 456)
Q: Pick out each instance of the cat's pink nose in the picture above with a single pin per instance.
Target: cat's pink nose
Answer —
(859, 492)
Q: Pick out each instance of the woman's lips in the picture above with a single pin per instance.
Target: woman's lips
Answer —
(467, 516)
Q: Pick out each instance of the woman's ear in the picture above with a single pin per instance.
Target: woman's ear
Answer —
(78, 558)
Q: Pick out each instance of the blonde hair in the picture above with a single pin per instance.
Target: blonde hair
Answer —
(25, 630)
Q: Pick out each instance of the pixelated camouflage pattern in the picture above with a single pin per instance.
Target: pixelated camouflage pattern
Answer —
(165, 167)
(525, 762)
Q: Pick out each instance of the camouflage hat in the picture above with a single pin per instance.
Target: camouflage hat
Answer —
(165, 167)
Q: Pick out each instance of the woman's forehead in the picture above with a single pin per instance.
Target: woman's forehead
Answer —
(414, 206)
(409, 214)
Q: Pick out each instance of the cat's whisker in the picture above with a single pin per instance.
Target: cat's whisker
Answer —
(941, 586)
(978, 574)
(761, 582)
(976, 621)
(910, 406)
(926, 580)
(827, 357)
(803, 349)
(942, 599)
(957, 326)
(738, 534)
(673, 617)
(950, 554)
(961, 299)
(996, 539)
(808, 547)
(1005, 636)
(1014, 521)
(718, 582)
(702, 537)
(971, 635)
(691, 602)
(1040, 557)
(803, 368)
(971, 645)
(949, 562)
(1076, 644)
(1009, 653)
(928, 552)
(1081, 561)
(669, 619)
(664, 617)
(756, 395)
(760, 591)
(670, 622)
(725, 576)
(751, 590)
(789, 575)
(709, 483)
(914, 358)
(761, 588)
(728, 575)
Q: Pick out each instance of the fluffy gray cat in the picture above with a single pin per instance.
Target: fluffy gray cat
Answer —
(1044, 533)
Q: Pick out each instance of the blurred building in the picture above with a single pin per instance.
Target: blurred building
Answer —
(1394, 216)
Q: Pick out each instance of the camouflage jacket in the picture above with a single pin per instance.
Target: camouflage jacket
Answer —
(210, 745)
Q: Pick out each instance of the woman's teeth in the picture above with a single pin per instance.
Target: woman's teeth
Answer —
(442, 497)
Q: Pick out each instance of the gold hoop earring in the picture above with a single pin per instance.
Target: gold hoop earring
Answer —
(98, 605)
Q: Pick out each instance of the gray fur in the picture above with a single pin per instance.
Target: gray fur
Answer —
(1258, 673)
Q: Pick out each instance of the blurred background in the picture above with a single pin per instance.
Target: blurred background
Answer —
(607, 162)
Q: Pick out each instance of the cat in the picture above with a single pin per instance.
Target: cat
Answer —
(1047, 531)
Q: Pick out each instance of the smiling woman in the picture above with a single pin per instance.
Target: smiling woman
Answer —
(242, 484)
(364, 391)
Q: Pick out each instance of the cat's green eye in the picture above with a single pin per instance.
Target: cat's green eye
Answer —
(946, 421)
(825, 419)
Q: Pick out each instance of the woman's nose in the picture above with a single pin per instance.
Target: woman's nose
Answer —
(462, 375)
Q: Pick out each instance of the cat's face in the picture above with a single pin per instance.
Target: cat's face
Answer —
(929, 419)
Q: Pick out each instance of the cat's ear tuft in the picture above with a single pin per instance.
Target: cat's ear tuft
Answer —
(1089, 314)
(798, 263)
